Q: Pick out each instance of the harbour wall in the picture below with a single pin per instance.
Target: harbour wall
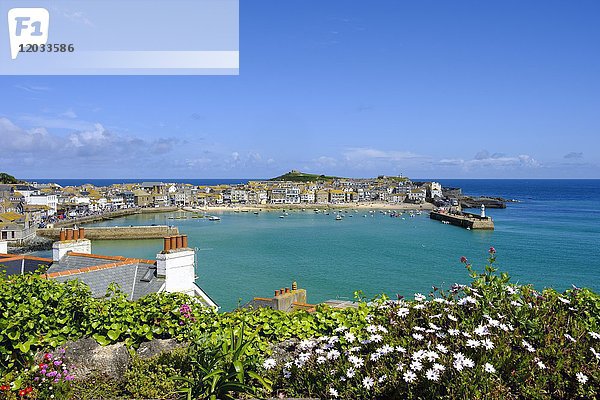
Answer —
(111, 215)
(117, 232)
(466, 220)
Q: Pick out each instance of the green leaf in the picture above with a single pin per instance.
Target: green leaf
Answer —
(102, 340)
(113, 335)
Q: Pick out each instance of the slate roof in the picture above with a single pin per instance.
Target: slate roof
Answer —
(74, 262)
(16, 264)
(136, 278)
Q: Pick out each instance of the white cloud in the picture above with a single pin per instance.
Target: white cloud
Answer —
(365, 154)
(484, 159)
(574, 155)
(16, 139)
(69, 114)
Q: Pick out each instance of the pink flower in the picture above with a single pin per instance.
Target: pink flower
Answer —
(463, 259)
(492, 250)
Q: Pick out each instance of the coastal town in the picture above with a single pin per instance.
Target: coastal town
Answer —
(26, 207)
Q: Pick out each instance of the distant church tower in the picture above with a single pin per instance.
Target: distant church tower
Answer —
(482, 211)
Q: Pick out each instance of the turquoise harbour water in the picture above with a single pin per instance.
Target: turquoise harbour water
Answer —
(550, 238)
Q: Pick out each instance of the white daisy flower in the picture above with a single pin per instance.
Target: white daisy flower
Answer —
(594, 335)
(416, 365)
(563, 300)
(350, 372)
(473, 343)
(417, 336)
(386, 349)
(402, 312)
(432, 356)
(467, 362)
(453, 332)
(371, 328)
(321, 360)
(356, 361)
(419, 297)
(409, 376)
(349, 336)
(333, 354)
(419, 306)
(432, 374)
(400, 349)
(376, 338)
(333, 393)
(489, 368)
(368, 382)
(438, 367)
(487, 344)
(269, 363)
(441, 348)
(581, 378)
(452, 318)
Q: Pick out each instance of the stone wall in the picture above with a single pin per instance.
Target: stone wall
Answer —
(117, 232)
(112, 215)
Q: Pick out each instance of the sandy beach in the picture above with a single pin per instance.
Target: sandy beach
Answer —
(308, 207)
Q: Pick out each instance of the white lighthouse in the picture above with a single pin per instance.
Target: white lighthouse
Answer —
(482, 211)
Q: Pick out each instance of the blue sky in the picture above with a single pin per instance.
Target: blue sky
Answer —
(461, 89)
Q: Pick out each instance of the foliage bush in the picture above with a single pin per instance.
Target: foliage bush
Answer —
(490, 339)
(151, 378)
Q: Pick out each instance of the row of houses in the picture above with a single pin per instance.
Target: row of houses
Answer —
(25, 207)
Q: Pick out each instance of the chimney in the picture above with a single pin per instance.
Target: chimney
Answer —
(176, 264)
(3, 246)
(71, 240)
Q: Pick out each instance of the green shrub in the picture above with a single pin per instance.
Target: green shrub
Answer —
(97, 387)
(151, 378)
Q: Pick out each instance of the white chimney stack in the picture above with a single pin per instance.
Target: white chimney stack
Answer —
(176, 264)
(71, 240)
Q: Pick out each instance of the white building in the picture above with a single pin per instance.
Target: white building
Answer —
(48, 200)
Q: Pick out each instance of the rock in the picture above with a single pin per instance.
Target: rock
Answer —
(157, 346)
(86, 357)
(283, 352)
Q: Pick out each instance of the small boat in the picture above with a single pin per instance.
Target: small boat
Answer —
(338, 217)
(255, 212)
(214, 218)
(282, 216)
